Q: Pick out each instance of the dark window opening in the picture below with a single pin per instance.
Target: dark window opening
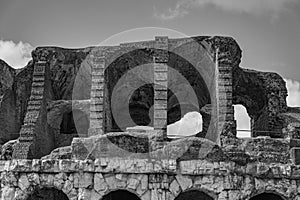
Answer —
(47, 194)
(193, 195)
(120, 195)
(267, 196)
(75, 122)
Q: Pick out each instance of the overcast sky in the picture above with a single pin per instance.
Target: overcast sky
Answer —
(267, 30)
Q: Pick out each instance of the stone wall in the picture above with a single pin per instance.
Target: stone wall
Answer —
(9, 126)
(149, 180)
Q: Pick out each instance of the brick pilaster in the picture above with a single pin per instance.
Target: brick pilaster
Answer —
(161, 58)
(97, 95)
(225, 106)
(24, 148)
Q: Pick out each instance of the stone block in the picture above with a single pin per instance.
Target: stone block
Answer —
(23, 182)
(295, 155)
(8, 193)
(83, 180)
(185, 182)
(175, 188)
(68, 186)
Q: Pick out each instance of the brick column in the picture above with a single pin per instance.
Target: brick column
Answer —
(224, 93)
(25, 149)
(97, 94)
(160, 85)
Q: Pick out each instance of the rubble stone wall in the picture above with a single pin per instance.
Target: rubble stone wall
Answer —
(148, 179)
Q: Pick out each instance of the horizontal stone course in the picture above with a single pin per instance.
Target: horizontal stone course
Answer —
(167, 166)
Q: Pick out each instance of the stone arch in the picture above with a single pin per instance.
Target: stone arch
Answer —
(264, 96)
(267, 195)
(144, 56)
(74, 123)
(195, 194)
(55, 117)
(120, 194)
(47, 193)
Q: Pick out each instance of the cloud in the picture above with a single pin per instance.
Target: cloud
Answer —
(293, 88)
(190, 124)
(16, 55)
(253, 7)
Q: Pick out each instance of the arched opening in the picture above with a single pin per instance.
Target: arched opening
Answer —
(194, 195)
(120, 195)
(47, 194)
(190, 124)
(243, 121)
(267, 196)
(74, 123)
(135, 71)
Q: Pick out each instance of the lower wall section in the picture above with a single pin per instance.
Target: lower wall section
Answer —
(82, 180)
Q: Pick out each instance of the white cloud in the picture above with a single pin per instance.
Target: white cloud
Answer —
(293, 88)
(190, 124)
(254, 7)
(16, 55)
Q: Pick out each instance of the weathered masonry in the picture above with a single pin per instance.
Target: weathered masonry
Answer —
(67, 121)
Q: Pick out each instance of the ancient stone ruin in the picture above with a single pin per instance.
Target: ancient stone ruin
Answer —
(68, 125)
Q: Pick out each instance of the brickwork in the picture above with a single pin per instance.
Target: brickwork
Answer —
(161, 85)
(35, 105)
(97, 95)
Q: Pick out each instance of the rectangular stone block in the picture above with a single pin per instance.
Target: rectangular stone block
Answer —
(96, 108)
(98, 60)
(98, 93)
(97, 86)
(160, 76)
(160, 56)
(36, 97)
(95, 123)
(96, 115)
(161, 84)
(162, 114)
(38, 84)
(225, 88)
(160, 67)
(37, 91)
(225, 76)
(160, 104)
(97, 77)
(97, 101)
(160, 123)
(97, 73)
(38, 78)
(226, 82)
(295, 155)
(160, 94)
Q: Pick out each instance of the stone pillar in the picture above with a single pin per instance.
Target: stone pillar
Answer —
(224, 94)
(161, 86)
(97, 94)
(26, 146)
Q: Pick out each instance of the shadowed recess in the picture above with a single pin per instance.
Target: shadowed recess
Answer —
(120, 195)
(47, 194)
(267, 196)
(193, 195)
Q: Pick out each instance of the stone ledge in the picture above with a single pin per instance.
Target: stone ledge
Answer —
(141, 166)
